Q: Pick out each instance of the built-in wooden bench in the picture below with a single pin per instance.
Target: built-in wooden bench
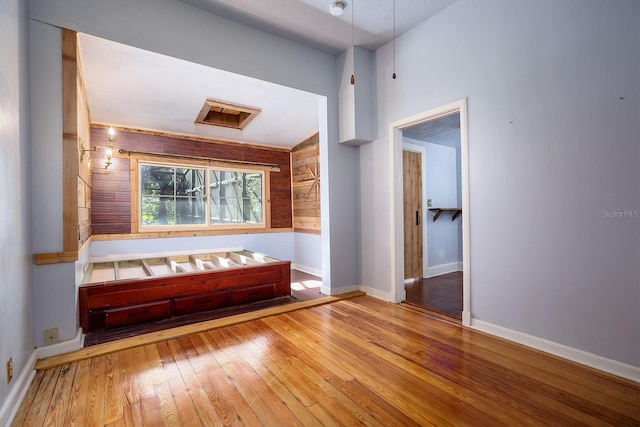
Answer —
(119, 293)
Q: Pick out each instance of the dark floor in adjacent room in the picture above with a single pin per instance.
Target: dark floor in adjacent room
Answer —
(442, 294)
(304, 287)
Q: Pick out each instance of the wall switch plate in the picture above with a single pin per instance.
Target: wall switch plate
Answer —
(51, 336)
(9, 370)
(429, 203)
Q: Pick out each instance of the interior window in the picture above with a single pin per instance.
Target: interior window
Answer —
(179, 196)
(236, 197)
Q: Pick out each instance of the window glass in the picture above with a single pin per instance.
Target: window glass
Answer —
(177, 196)
(172, 196)
(236, 197)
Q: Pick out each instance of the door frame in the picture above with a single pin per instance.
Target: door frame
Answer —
(416, 148)
(397, 220)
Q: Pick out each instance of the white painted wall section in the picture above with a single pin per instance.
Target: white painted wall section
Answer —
(182, 31)
(16, 309)
(308, 253)
(442, 182)
(553, 153)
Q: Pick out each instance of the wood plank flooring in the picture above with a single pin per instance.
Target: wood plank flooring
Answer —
(351, 362)
(442, 294)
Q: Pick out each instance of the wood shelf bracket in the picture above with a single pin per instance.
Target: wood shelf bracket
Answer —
(438, 211)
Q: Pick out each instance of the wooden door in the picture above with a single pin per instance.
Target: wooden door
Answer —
(412, 203)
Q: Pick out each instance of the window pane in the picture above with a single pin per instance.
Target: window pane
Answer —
(235, 197)
(172, 196)
(158, 180)
(253, 198)
(157, 210)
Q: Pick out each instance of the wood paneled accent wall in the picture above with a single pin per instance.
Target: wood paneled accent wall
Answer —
(111, 195)
(305, 174)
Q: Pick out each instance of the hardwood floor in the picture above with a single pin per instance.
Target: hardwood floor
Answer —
(305, 286)
(442, 294)
(351, 362)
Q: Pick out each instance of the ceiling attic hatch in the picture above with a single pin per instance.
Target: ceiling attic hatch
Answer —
(216, 113)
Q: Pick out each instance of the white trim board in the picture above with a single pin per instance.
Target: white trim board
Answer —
(377, 293)
(395, 201)
(576, 355)
(16, 395)
(62, 347)
(339, 291)
(305, 269)
(438, 270)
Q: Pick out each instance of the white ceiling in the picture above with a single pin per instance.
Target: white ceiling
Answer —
(135, 88)
(309, 21)
(131, 87)
(438, 131)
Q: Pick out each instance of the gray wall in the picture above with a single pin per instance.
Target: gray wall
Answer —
(554, 150)
(442, 183)
(16, 325)
(552, 145)
(54, 286)
(176, 29)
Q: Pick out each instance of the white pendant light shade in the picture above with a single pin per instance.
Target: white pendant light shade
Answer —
(336, 8)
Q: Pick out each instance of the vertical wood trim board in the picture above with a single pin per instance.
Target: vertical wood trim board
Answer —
(70, 152)
(84, 163)
(305, 183)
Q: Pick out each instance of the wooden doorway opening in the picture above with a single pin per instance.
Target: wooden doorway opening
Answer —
(397, 206)
(435, 284)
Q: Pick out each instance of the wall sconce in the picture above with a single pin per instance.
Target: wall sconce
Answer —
(111, 134)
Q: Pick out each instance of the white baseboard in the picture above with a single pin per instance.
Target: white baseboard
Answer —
(16, 394)
(62, 347)
(377, 293)
(340, 290)
(305, 269)
(580, 356)
(438, 270)
(466, 318)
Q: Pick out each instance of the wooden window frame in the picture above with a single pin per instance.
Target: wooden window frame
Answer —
(136, 194)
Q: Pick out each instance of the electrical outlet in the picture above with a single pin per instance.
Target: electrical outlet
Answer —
(51, 336)
(10, 370)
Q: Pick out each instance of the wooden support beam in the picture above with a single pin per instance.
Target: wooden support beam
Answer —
(222, 262)
(174, 266)
(243, 259)
(70, 156)
(147, 268)
(55, 257)
(116, 270)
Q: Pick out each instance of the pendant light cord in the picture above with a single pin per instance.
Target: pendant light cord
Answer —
(353, 50)
(394, 39)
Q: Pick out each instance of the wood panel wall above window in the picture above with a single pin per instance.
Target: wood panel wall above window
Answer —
(305, 176)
